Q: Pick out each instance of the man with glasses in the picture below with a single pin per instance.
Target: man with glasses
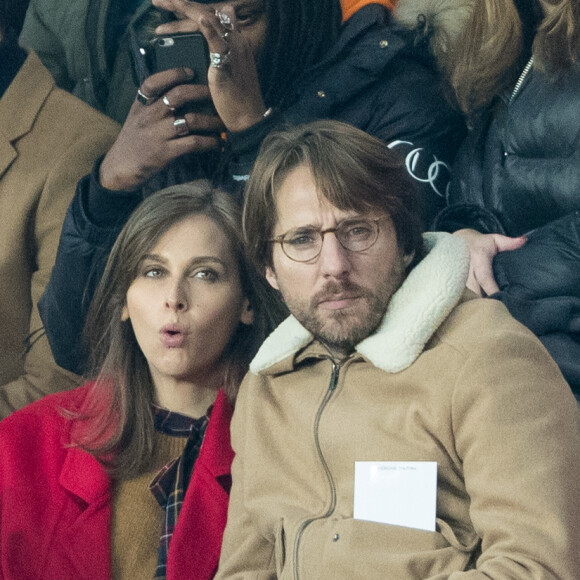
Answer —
(395, 425)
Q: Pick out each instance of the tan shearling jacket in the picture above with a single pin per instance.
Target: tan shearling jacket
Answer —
(48, 141)
(446, 378)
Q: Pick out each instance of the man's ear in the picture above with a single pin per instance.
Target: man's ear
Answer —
(271, 277)
(125, 313)
(247, 316)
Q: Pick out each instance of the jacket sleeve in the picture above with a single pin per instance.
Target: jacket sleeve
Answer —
(540, 285)
(41, 374)
(242, 151)
(246, 552)
(517, 433)
(465, 203)
(413, 117)
(551, 254)
(85, 243)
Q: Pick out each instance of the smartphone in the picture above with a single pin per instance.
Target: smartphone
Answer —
(188, 49)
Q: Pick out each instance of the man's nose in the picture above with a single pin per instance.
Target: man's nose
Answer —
(334, 259)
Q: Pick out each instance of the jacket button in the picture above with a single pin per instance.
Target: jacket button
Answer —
(321, 94)
(335, 538)
(384, 43)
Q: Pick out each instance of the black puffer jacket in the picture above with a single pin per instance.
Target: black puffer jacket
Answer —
(519, 172)
(521, 167)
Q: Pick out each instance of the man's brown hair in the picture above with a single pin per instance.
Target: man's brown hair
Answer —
(351, 169)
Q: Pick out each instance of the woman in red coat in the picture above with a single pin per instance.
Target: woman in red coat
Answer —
(111, 480)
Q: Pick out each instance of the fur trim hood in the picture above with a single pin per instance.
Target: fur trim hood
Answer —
(438, 21)
(415, 312)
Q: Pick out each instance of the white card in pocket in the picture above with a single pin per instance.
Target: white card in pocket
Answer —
(400, 493)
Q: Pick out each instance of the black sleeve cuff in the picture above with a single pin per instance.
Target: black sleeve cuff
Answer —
(459, 216)
(104, 208)
(244, 145)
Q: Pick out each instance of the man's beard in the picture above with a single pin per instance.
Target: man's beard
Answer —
(342, 329)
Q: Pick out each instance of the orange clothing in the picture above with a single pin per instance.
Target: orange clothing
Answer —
(349, 7)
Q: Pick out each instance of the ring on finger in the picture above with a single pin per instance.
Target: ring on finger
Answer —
(168, 104)
(218, 59)
(225, 20)
(181, 128)
(143, 98)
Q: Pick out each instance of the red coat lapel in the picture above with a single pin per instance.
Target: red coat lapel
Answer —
(86, 538)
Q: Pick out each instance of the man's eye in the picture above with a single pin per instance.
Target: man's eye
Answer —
(301, 239)
(358, 231)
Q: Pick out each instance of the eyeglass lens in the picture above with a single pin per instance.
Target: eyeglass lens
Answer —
(305, 244)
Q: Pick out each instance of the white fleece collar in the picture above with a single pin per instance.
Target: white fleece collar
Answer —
(415, 311)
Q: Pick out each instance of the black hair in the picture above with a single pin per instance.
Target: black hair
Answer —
(298, 35)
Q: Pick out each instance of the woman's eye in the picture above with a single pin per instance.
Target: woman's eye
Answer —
(153, 272)
(247, 17)
(209, 275)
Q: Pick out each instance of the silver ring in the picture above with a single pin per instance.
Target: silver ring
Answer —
(225, 20)
(181, 127)
(143, 98)
(168, 104)
(218, 60)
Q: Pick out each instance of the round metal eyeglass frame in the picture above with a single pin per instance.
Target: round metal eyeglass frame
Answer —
(305, 244)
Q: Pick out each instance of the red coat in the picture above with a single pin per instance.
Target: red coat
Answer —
(55, 501)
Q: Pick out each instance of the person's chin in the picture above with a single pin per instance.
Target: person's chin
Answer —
(343, 329)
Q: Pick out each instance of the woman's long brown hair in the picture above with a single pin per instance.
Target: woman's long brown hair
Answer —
(119, 416)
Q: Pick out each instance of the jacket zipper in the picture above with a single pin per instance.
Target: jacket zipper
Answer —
(331, 388)
(521, 79)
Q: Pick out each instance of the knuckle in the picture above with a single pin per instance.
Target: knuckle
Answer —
(147, 87)
(175, 95)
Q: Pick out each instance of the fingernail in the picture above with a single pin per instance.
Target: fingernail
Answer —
(189, 73)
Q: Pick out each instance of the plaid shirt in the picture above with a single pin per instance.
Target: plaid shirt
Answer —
(170, 484)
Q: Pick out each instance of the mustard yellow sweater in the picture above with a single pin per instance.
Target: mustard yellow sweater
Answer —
(138, 518)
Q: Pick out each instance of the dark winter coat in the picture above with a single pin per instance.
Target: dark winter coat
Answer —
(518, 173)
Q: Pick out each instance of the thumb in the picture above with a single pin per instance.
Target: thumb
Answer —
(505, 243)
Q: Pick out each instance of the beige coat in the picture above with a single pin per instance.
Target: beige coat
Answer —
(446, 378)
(48, 141)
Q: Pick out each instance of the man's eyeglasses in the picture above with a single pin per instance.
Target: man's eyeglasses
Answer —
(305, 244)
